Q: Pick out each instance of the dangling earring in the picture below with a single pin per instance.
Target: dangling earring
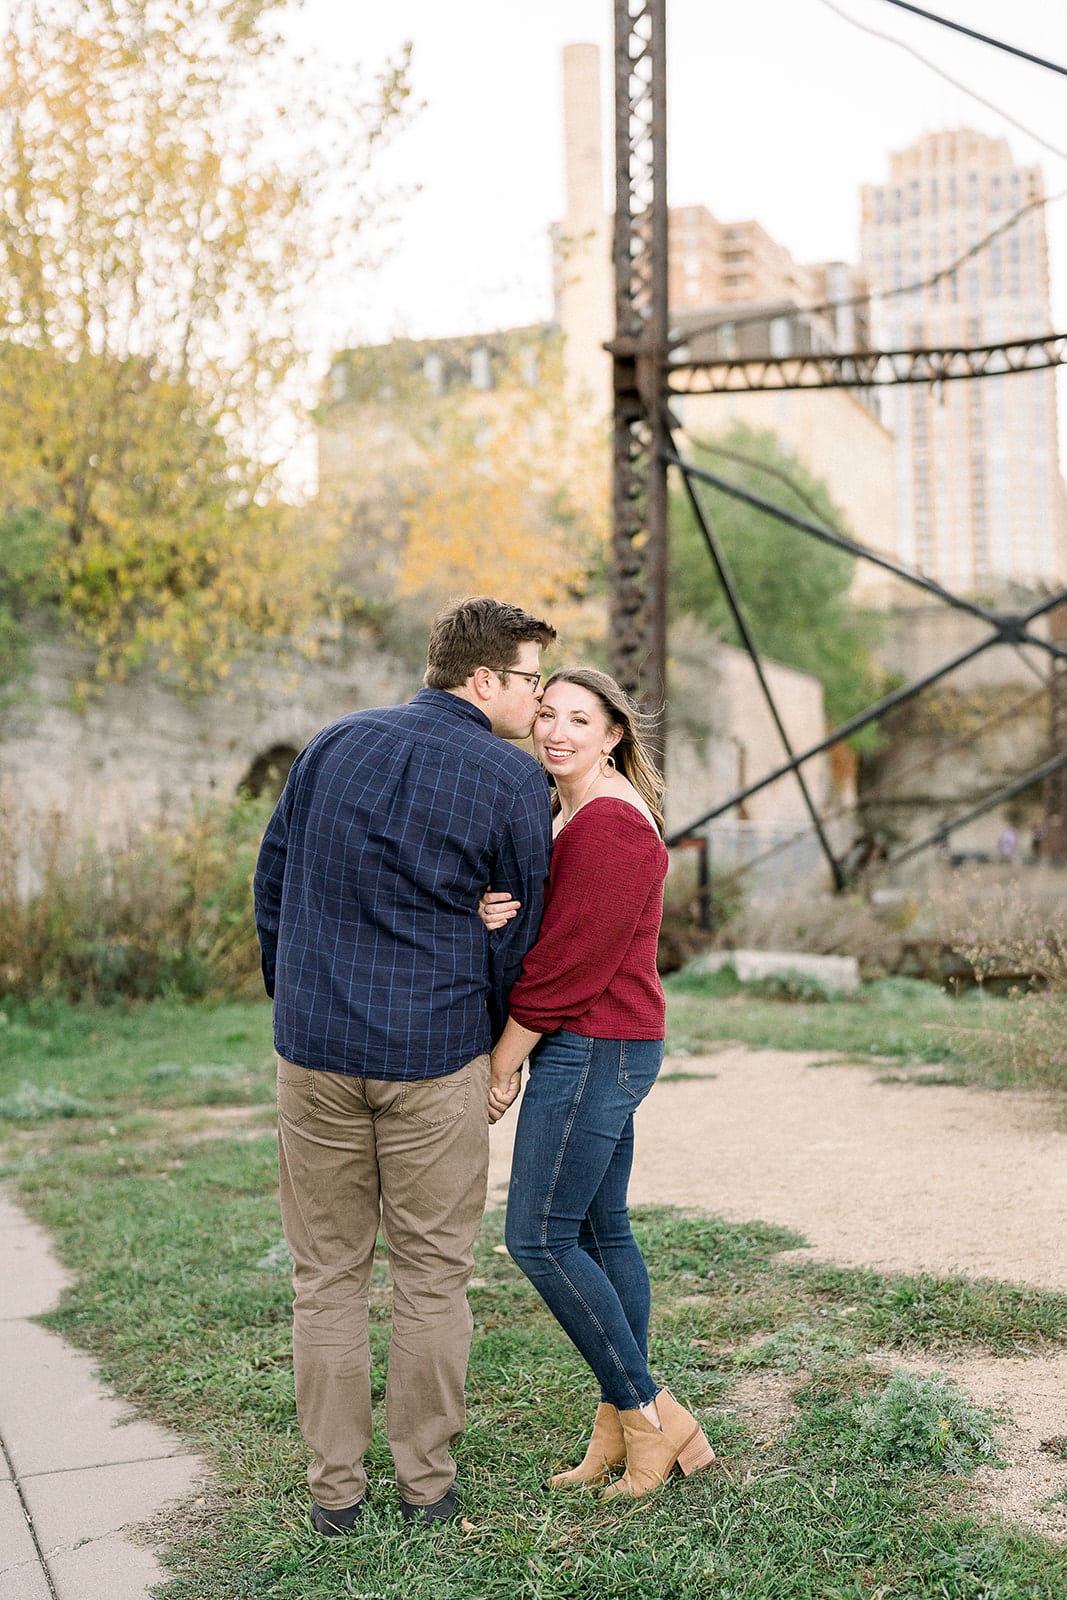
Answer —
(607, 762)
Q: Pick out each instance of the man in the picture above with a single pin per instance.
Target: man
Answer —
(388, 994)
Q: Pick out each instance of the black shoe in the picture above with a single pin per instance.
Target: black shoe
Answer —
(334, 1522)
(436, 1511)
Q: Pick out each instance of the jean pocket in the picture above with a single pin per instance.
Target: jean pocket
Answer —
(639, 1064)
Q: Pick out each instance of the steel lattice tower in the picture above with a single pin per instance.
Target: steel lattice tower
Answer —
(639, 352)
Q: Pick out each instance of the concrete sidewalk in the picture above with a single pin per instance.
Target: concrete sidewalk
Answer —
(76, 1468)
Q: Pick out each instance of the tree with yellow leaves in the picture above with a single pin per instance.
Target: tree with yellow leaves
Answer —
(458, 487)
(174, 185)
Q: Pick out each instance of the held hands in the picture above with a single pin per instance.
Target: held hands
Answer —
(506, 1062)
(503, 1090)
(496, 907)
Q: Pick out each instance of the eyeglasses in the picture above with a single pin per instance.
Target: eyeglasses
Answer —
(534, 677)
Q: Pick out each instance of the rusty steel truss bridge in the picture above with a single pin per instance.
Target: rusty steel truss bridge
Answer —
(648, 370)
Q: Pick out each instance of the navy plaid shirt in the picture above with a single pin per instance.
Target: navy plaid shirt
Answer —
(390, 826)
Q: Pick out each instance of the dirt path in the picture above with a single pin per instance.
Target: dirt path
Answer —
(896, 1177)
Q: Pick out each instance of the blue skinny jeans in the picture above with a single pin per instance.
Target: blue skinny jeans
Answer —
(568, 1226)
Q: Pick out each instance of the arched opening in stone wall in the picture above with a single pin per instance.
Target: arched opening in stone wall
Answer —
(268, 772)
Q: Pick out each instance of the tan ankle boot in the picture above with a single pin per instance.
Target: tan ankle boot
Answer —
(652, 1453)
(606, 1450)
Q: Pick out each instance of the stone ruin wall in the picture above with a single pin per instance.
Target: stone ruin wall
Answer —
(140, 753)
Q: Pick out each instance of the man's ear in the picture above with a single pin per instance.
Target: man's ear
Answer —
(483, 681)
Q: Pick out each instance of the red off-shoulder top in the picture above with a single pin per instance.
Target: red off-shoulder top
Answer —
(593, 968)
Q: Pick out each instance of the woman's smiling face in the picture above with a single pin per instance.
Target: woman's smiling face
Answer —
(571, 731)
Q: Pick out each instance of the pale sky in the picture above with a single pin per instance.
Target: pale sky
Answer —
(779, 110)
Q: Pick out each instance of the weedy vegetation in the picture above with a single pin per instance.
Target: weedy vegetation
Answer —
(146, 1146)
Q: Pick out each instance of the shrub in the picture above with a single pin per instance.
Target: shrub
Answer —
(919, 1422)
(798, 1347)
(31, 1102)
(1017, 940)
(170, 912)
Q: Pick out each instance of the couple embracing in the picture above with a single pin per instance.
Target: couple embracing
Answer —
(432, 913)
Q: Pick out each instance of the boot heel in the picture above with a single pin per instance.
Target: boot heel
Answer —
(695, 1456)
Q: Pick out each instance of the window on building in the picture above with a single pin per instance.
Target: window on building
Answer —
(481, 369)
(530, 367)
(433, 370)
(781, 336)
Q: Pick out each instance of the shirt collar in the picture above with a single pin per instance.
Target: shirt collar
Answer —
(443, 700)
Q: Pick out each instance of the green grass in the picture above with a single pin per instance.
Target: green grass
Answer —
(899, 1018)
(182, 1293)
(169, 1053)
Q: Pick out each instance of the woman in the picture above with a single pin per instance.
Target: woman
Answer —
(589, 1011)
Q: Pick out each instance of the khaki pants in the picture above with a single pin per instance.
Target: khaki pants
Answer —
(416, 1155)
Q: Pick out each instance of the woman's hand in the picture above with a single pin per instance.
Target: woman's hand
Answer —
(496, 907)
(506, 1062)
(503, 1090)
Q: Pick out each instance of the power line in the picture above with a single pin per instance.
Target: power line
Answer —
(985, 38)
(884, 294)
(889, 38)
(710, 447)
(975, 249)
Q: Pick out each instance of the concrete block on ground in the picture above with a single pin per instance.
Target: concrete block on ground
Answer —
(108, 1569)
(98, 1501)
(21, 1575)
(57, 1415)
(836, 972)
(33, 1278)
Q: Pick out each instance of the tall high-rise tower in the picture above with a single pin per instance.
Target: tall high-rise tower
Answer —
(980, 499)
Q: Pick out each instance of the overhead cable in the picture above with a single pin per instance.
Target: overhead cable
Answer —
(915, 287)
(985, 38)
(889, 38)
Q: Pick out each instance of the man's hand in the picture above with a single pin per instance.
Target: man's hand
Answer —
(503, 1091)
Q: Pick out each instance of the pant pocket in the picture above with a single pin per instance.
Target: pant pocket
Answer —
(639, 1064)
(296, 1096)
(435, 1102)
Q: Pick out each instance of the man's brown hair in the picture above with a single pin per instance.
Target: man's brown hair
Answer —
(479, 632)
